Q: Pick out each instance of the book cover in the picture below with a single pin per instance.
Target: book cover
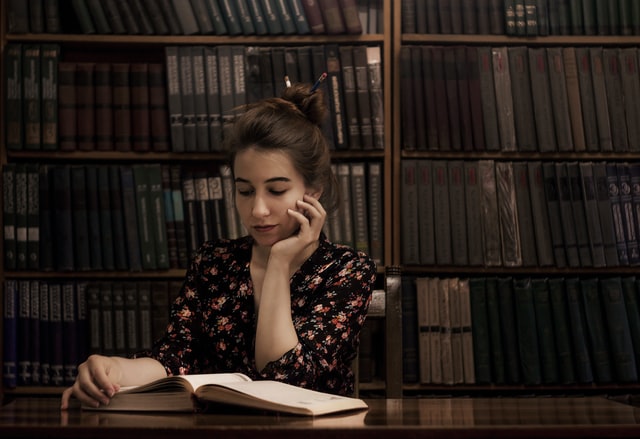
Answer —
(488, 98)
(519, 71)
(510, 331)
(527, 331)
(480, 330)
(80, 215)
(548, 175)
(490, 217)
(424, 213)
(21, 215)
(130, 218)
(568, 228)
(103, 88)
(457, 216)
(141, 137)
(511, 244)
(93, 218)
(62, 218)
(9, 243)
(596, 331)
(173, 99)
(618, 330)
(409, 206)
(562, 330)
(591, 216)
(121, 106)
(376, 95)
(545, 331)
(424, 329)
(541, 96)
(31, 96)
(473, 210)
(578, 209)
(630, 295)
(504, 99)
(587, 99)
(358, 184)
(86, 106)
(615, 99)
(526, 228)
(332, 17)
(605, 214)
(10, 334)
(187, 98)
(603, 119)
(559, 99)
(158, 111)
(442, 213)
(497, 359)
(573, 97)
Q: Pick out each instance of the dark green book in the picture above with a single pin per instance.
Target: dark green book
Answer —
(561, 330)
(498, 373)
(546, 331)
(527, 332)
(630, 293)
(144, 217)
(31, 104)
(9, 215)
(50, 56)
(33, 216)
(93, 216)
(81, 238)
(21, 215)
(480, 328)
(509, 328)
(596, 329)
(105, 218)
(14, 136)
(618, 330)
(577, 325)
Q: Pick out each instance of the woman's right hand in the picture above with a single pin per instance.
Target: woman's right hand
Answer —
(98, 380)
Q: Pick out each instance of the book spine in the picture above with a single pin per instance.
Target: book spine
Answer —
(9, 220)
(85, 106)
(10, 334)
(31, 93)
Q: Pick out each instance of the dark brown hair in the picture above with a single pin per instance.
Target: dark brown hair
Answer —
(290, 124)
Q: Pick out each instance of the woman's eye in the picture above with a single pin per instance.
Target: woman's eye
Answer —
(275, 192)
(245, 193)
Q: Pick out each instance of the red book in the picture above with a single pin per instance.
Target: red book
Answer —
(121, 106)
(103, 107)
(85, 107)
(140, 126)
(158, 110)
(67, 106)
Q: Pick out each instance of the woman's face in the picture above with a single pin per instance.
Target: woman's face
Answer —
(266, 185)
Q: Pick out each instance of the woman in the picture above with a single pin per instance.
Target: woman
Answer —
(282, 303)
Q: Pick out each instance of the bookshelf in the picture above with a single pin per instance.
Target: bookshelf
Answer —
(112, 48)
(519, 273)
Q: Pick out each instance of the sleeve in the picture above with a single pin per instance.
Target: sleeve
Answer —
(329, 328)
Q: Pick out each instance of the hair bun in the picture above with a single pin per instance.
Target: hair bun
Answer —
(312, 105)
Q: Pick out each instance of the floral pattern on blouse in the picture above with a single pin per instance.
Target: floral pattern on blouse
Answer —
(212, 321)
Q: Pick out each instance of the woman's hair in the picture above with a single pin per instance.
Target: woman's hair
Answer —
(290, 124)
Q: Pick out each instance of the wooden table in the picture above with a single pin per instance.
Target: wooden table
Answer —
(557, 417)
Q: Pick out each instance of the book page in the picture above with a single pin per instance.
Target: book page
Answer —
(275, 395)
(186, 382)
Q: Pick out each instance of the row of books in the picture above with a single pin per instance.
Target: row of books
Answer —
(523, 18)
(195, 17)
(520, 213)
(182, 104)
(518, 98)
(531, 331)
(150, 216)
(51, 326)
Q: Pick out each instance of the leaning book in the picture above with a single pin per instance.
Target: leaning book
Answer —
(202, 392)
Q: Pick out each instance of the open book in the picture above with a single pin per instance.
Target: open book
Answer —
(193, 392)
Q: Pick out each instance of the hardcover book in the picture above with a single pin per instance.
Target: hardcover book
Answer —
(187, 393)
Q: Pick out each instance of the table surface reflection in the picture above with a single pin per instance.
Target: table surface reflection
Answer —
(548, 417)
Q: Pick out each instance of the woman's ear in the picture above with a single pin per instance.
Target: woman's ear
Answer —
(315, 193)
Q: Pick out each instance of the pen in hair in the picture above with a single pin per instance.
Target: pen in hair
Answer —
(287, 82)
(318, 82)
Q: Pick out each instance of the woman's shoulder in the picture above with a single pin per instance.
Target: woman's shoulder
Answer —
(346, 255)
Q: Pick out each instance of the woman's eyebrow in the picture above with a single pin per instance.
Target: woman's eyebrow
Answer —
(270, 180)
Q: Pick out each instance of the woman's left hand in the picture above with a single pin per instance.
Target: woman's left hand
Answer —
(311, 216)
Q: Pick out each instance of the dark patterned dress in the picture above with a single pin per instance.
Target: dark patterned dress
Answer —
(213, 323)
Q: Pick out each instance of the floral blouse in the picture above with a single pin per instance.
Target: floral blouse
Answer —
(213, 323)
